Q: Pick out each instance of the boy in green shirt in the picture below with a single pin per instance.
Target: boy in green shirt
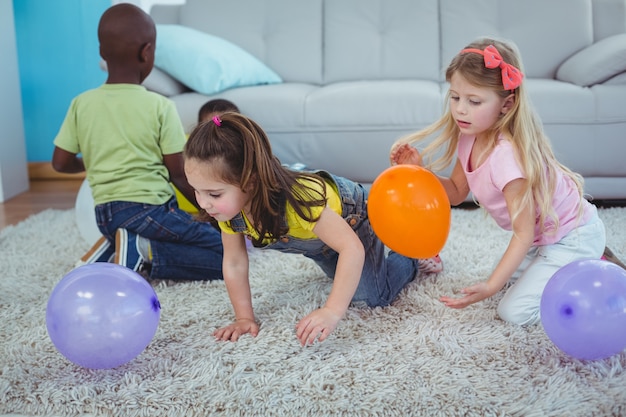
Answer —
(131, 143)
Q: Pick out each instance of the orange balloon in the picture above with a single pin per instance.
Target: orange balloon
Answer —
(410, 211)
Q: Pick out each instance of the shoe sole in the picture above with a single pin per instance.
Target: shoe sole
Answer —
(101, 245)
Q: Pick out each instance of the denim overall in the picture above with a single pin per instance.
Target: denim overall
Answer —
(382, 277)
(182, 248)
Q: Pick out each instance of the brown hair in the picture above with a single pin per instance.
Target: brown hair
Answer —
(242, 153)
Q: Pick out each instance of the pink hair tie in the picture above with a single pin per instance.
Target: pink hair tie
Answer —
(511, 76)
(217, 120)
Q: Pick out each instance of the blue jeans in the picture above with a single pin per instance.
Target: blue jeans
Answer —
(383, 277)
(181, 247)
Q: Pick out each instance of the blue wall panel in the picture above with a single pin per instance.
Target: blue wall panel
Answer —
(57, 46)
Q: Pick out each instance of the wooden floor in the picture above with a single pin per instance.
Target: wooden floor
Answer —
(43, 194)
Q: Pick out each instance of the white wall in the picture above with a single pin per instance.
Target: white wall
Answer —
(13, 168)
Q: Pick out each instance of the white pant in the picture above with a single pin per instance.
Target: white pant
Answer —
(521, 302)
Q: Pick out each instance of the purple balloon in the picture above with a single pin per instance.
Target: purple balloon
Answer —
(583, 309)
(102, 315)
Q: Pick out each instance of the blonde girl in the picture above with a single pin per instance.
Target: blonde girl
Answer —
(244, 187)
(502, 155)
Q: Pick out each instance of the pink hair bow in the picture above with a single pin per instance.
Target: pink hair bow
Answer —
(511, 76)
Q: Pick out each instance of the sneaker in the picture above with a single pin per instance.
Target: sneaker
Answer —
(127, 253)
(101, 251)
(432, 265)
(610, 256)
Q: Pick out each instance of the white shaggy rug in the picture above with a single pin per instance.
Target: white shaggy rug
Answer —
(416, 357)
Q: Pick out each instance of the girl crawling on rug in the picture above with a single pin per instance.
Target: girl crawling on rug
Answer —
(506, 161)
(241, 184)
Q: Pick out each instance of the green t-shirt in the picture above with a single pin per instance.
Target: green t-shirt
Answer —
(122, 132)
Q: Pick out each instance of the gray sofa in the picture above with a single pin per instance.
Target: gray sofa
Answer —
(358, 74)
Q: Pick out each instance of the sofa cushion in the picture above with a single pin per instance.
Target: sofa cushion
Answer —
(546, 32)
(608, 18)
(596, 63)
(619, 79)
(207, 63)
(285, 34)
(381, 40)
(561, 102)
(279, 107)
(375, 105)
(163, 83)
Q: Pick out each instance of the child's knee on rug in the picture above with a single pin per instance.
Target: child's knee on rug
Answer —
(520, 310)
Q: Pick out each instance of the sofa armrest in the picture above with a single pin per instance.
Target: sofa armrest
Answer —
(161, 82)
(596, 63)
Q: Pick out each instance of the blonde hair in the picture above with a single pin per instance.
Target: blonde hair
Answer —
(520, 125)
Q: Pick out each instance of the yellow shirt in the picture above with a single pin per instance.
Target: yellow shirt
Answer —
(298, 227)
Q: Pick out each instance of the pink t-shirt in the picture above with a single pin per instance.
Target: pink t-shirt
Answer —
(488, 180)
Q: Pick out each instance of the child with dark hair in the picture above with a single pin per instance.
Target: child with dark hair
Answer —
(216, 107)
(240, 183)
(131, 142)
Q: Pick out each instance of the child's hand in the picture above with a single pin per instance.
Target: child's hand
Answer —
(472, 294)
(236, 329)
(405, 154)
(320, 322)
